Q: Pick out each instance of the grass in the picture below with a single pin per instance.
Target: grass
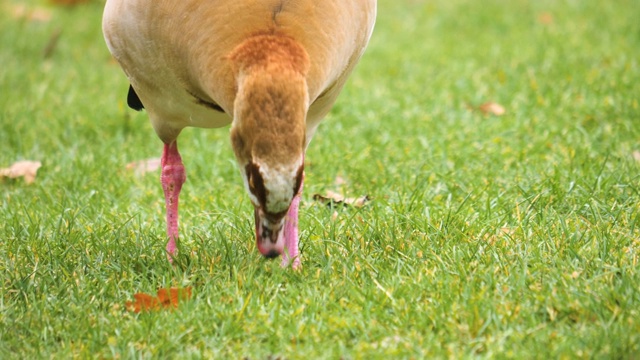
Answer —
(512, 236)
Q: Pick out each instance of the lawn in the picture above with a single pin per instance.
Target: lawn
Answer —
(508, 236)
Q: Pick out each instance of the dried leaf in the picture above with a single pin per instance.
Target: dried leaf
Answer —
(545, 18)
(491, 108)
(333, 198)
(26, 169)
(35, 14)
(340, 181)
(166, 299)
(144, 166)
(636, 155)
(143, 302)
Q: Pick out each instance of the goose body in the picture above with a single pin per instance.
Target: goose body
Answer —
(270, 68)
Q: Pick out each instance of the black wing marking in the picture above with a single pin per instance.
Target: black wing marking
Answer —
(133, 100)
(209, 104)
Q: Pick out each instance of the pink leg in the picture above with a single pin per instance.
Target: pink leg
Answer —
(172, 178)
(291, 233)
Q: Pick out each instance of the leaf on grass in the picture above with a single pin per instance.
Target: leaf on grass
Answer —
(144, 166)
(35, 14)
(636, 155)
(491, 108)
(340, 181)
(545, 18)
(333, 198)
(26, 169)
(166, 299)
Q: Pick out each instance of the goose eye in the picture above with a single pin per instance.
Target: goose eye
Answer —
(252, 186)
(256, 183)
(250, 181)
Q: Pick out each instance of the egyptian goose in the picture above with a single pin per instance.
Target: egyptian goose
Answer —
(270, 68)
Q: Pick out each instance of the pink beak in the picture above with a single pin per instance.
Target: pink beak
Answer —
(269, 235)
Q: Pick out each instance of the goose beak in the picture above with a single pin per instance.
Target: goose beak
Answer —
(269, 234)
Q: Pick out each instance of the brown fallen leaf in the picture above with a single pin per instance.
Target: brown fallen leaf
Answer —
(144, 166)
(334, 198)
(636, 155)
(166, 299)
(25, 168)
(143, 302)
(491, 108)
(30, 14)
(545, 18)
(340, 181)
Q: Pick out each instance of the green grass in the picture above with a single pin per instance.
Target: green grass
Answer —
(512, 237)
